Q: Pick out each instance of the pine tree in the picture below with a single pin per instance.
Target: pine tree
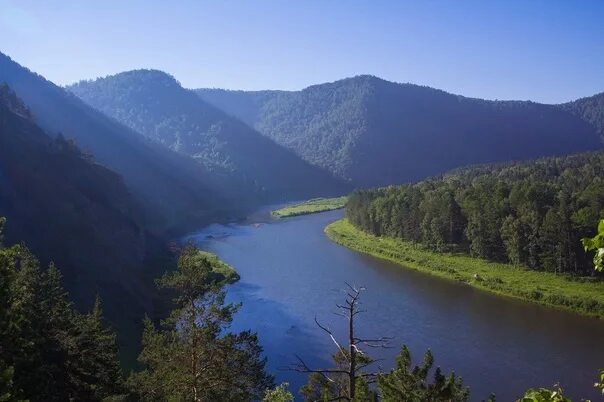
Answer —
(42, 347)
(406, 384)
(191, 357)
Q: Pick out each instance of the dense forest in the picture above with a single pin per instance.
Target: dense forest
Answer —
(49, 351)
(100, 199)
(413, 131)
(154, 104)
(530, 214)
(590, 109)
(70, 210)
(172, 190)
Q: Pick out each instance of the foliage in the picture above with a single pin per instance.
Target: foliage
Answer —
(544, 395)
(193, 356)
(406, 384)
(311, 206)
(596, 244)
(582, 296)
(247, 164)
(48, 350)
(172, 191)
(600, 384)
(374, 132)
(590, 109)
(75, 212)
(350, 380)
(529, 214)
(278, 394)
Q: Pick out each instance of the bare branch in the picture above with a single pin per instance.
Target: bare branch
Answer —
(333, 338)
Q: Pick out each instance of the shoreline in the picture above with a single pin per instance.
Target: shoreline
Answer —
(544, 288)
(311, 206)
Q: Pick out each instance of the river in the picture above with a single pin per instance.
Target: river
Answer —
(291, 272)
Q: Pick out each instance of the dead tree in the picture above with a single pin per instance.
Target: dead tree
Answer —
(350, 359)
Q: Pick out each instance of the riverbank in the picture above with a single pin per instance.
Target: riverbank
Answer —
(581, 296)
(311, 206)
(223, 271)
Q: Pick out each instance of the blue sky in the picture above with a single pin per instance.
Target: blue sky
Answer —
(543, 50)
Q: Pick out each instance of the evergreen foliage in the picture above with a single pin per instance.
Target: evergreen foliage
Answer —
(406, 384)
(375, 133)
(530, 214)
(248, 164)
(48, 350)
(192, 356)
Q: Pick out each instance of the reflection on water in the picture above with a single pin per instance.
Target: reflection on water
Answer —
(291, 272)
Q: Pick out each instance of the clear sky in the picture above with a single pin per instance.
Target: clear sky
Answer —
(543, 50)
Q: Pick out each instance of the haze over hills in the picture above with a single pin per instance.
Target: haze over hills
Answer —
(74, 212)
(154, 104)
(374, 132)
(172, 190)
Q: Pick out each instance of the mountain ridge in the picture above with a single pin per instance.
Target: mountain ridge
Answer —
(346, 124)
(154, 104)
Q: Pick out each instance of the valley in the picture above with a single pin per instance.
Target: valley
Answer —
(164, 240)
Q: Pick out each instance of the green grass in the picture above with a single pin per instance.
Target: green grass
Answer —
(579, 295)
(311, 206)
(223, 270)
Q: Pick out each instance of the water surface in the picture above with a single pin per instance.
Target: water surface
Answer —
(291, 272)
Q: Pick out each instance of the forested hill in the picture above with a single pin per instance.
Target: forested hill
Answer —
(590, 109)
(154, 104)
(72, 211)
(171, 189)
(375, 132)
(531, 214)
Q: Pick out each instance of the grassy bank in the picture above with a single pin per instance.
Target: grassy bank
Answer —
(224, 272)
(311, 207)
(582, 296)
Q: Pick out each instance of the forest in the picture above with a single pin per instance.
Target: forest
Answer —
(413, 131)
(244, 164)
(530, 214)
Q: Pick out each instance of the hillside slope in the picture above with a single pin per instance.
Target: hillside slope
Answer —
(172, 190)
(154, 104)
(590, 109)
(72, 211)
(374, 132)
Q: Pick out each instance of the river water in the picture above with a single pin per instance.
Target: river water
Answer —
(291, 272)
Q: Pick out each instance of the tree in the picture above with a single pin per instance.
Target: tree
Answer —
(349, 380)
(278, 394)
(348, 376)
(48, 350)
(511, 234)
(544, 395)
(596, 244)
(192, 357)
(406, 384)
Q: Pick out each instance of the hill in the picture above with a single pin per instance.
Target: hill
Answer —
(374, 132)
(173, 191)
(76, 213)
(154, 104)
(590, 109)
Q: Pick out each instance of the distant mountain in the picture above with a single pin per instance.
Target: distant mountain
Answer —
(173, 190)
(72, 211)
(590, 109)
(154, 104)
(374, 132)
